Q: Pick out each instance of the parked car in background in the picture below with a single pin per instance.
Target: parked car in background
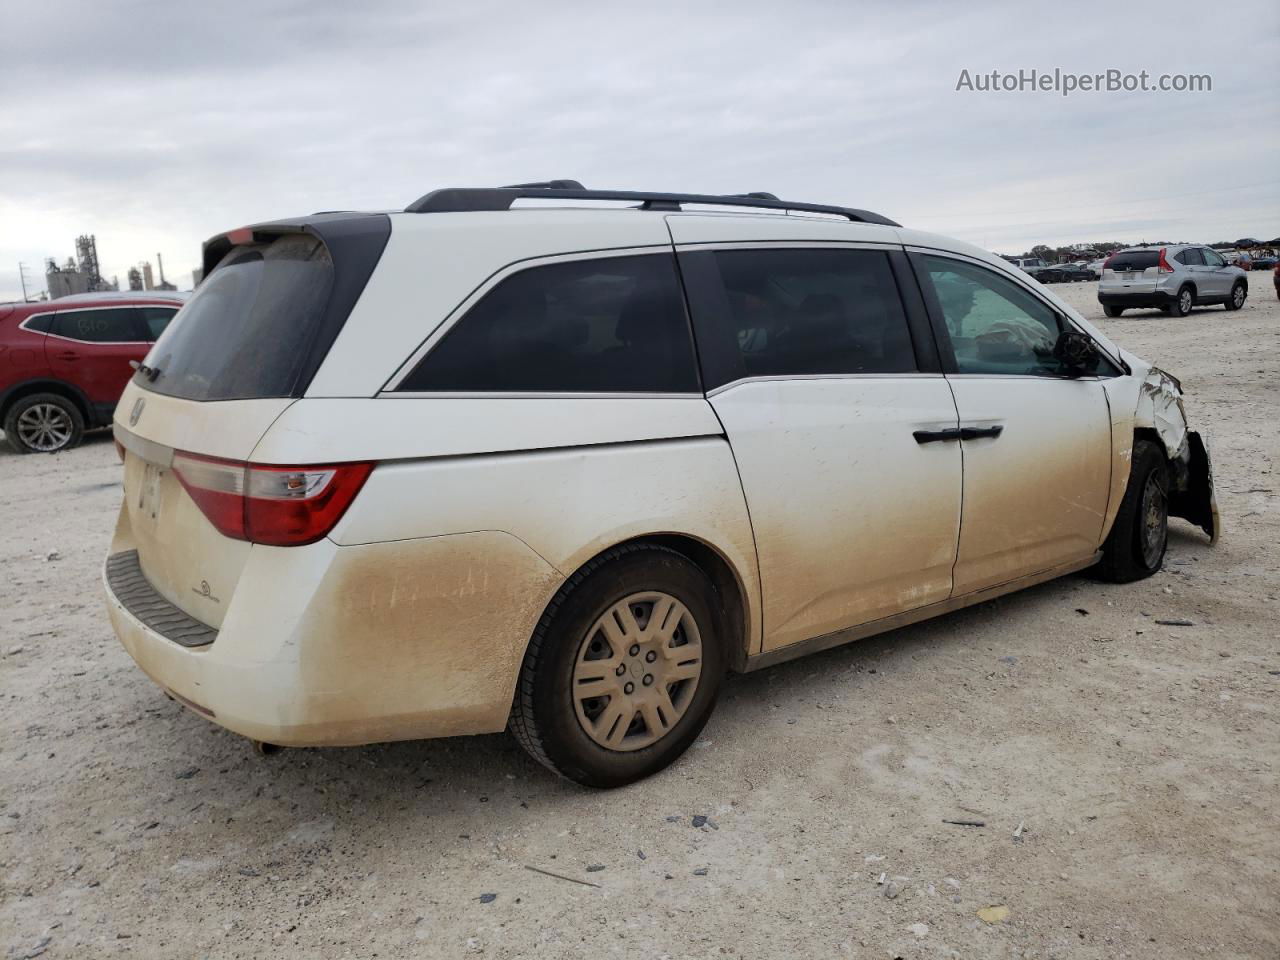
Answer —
(1075, 271)
(1266, 260)
(1040, 269)
(1095, 268)
(64, 362)
(1275, 276)
(478, 477)
(1173, 278)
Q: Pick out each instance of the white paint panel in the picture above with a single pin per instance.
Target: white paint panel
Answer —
(223, 428)
(736, 227)
(568, 505)
(854, 520)
(1036, 496)
(397, 427)
(434, 261)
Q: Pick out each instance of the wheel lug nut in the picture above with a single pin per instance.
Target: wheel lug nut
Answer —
(635, 649)
(629, 688)
(621, 670)
(648, 679)
(650, 657)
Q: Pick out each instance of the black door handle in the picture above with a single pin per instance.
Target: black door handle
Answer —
(977, 433)
(936, 436)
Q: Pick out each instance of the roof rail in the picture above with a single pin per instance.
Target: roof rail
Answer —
(463, 199)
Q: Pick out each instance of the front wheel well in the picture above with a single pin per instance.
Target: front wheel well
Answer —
(1177, 465)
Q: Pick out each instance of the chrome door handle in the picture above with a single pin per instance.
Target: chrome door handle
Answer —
(978, 433)
(936, 436)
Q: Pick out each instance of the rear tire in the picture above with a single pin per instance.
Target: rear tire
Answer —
(1136, 545)
(623, 669)
(43, 423)
(1238, 294)
(1182, 305)
(1111, 311)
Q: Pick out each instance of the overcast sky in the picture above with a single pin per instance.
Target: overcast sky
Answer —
(155, 125)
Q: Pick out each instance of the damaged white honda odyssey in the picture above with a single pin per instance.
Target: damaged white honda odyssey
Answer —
(555, 460)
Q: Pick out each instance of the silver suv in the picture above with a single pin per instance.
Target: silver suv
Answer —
(1173, 278)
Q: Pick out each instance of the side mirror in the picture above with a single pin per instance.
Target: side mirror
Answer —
(1077, 353)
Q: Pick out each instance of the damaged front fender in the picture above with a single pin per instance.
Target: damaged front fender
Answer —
(1191, 494)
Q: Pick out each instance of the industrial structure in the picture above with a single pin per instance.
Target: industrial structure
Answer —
(79, 274)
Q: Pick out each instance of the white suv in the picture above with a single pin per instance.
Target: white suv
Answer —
(559, 468)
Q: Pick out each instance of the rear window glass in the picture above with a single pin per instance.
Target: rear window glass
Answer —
(1134, 260)
(246, 331)
(615, 324)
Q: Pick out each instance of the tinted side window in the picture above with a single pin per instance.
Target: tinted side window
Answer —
(994, 324)
(156, 319)
(797, 312)
(614, 324)
(117, 325)
(41, 323)
(1190, 257)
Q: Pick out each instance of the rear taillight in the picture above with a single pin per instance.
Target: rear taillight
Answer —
(1106, 264)
(280, 506)
(1164, 263)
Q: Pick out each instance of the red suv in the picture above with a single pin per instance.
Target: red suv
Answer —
(64, 363)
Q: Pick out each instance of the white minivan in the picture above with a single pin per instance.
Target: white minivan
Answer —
(555, 460)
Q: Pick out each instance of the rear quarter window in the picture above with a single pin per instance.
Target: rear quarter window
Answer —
(606, 325)
(244, 334)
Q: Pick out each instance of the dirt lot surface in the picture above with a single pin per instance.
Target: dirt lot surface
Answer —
(1141, 760)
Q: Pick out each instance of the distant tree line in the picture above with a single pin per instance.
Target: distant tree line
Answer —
(1092, 251)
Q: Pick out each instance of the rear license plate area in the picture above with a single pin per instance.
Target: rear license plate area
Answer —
(149, 491)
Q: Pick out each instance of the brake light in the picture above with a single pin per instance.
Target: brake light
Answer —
(1106, 264)
(264, 503)
(1164, 264)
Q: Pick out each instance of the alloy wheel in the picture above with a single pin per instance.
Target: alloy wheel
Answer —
(1184, 302)
(45, 427)
(636, 671)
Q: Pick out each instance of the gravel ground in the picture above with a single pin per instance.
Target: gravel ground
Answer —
(1141, 761)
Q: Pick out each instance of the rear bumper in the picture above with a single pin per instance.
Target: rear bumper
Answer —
(326, 645)
(1153, 298)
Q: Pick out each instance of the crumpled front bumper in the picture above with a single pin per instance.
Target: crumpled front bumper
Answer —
(1191, 495)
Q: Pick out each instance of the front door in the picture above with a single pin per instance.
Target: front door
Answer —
(838, 419)
(1036, 442)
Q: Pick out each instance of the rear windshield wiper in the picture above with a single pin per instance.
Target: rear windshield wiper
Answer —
(149, 372)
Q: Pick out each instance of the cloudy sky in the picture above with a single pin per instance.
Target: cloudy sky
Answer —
(155, 125)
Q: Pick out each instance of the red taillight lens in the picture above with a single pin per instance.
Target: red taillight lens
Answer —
(1164, 264)
(280, 506)
(1106, 264)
